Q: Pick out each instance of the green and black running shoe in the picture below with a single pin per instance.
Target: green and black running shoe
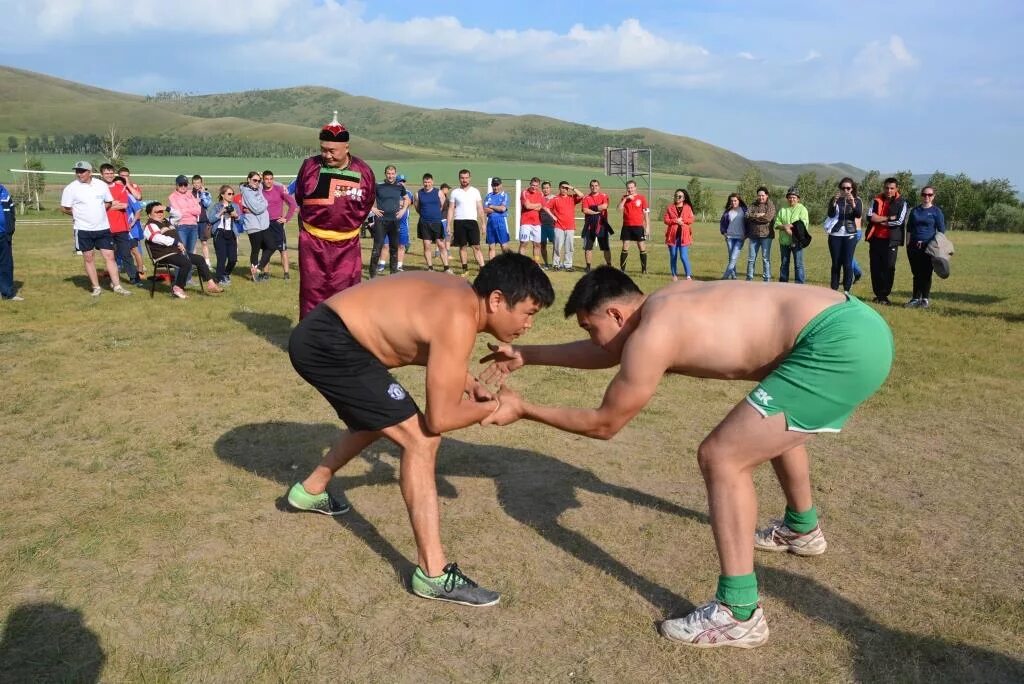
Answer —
(452, 586)
(300, 499)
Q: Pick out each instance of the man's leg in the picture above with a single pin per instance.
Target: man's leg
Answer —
(108, 257)
(88, 257)
(428, 254)
(642, 246)
(347, 446)
(623, 255)
(379, 231)
(727, 458)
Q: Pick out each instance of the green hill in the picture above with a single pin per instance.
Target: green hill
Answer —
(36, 104)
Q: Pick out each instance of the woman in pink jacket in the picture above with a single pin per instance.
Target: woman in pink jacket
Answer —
(679, 232)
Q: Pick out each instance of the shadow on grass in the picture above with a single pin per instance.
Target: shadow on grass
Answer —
(82, 282)
(884, 654)
(965, 297)
(274, 328)
(46, 642)
(1006, 316)
(532, 488)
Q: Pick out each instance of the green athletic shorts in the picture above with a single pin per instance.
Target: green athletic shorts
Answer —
(840, 358)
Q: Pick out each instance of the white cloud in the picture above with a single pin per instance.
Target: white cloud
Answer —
(811, 56)
(746, 55)
(878, 65)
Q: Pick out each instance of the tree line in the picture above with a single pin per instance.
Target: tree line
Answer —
(989, 205)
(166, 145)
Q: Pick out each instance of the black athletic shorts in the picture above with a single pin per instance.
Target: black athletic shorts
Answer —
(589, 239)
(353, 381)
(466, 232)
(280, 238)
(88, 240)
(430, 230)
(634, 233)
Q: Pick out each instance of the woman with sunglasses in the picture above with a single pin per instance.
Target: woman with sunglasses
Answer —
(734, 229)
(225, 223)
(847, 209)
(679, 232)
(256, 219)
(167, 248)
(926, 220)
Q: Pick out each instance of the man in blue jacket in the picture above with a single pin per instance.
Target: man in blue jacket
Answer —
(6, 249)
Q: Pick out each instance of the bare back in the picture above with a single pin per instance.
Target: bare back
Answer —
(728, 330)
(399, 317)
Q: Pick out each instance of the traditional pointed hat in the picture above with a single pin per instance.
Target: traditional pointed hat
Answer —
(334, 131)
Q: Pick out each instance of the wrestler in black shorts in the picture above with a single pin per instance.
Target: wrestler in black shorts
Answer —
(355, 383)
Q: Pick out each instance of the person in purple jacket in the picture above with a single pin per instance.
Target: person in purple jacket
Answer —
(334, 191)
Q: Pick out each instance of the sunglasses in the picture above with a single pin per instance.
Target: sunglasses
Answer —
(927, 194)
(157, 211)
(846, 187)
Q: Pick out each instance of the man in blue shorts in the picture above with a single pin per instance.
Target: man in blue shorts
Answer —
(496, 210)
(815, 354)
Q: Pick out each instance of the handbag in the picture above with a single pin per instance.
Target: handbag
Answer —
(831, 222)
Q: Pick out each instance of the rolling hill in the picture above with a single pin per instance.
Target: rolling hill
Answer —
(37, 104)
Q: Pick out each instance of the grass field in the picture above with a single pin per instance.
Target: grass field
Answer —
(147, 444)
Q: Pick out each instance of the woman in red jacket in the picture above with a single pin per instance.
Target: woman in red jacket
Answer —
(678, 232)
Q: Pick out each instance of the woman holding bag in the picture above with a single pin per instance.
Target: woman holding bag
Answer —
(843, 222)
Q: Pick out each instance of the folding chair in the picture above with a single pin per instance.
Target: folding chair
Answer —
(168, 267)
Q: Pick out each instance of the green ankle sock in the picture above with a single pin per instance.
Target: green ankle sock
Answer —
(801, 523)
(739, 593)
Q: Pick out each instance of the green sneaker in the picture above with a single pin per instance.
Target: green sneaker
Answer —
(452, 586)
(300, 499)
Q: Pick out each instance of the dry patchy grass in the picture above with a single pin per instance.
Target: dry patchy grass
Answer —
(147, 444)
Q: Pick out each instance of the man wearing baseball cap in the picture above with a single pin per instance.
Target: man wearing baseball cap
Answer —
(334, 191)
(86, 200)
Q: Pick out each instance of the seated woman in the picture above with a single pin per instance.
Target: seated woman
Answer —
(166, 248)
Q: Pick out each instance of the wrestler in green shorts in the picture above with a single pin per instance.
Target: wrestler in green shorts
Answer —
(840, 358)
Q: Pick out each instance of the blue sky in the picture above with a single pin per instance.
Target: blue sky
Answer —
(879, 85)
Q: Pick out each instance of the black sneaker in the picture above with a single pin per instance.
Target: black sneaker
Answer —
(452, 586)
(287, 276)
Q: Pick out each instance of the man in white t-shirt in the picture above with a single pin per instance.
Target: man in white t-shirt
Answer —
(465, 215)
(86, 200)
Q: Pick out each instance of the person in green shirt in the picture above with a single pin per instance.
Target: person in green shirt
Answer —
(784, 220)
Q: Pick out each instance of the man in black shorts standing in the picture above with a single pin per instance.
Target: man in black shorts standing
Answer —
(636, 225)
(344, 348)
(466, 215)
(595, 224)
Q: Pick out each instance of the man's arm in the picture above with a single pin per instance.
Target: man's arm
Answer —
(290, 202)
(451, 213)
(506, 358)
(404, 207)
(480, 213)
(629, 391)
(447, 380)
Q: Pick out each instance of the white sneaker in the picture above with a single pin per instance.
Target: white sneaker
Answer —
(121, 291)
(778, 537)
(912, 304)
(97, 291)
(713, 625)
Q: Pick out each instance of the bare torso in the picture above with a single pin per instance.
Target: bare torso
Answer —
(726, 329)
(397, 318)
